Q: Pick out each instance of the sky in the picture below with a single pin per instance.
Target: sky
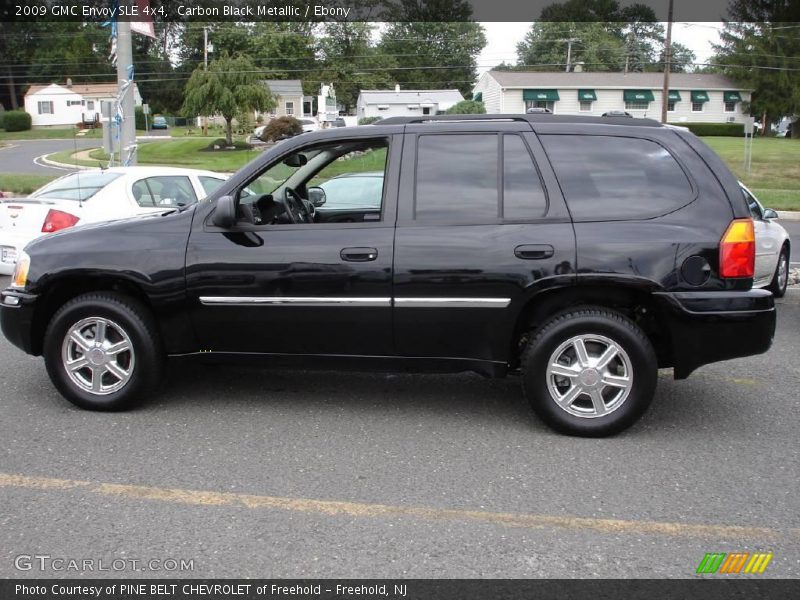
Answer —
(502, 39)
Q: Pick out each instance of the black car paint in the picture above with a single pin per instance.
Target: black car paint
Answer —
(172, 260)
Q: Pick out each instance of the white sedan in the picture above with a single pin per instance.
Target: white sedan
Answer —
(97, 195)
(773, 246)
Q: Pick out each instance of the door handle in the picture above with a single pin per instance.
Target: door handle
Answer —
(533, 251)
(359, 254)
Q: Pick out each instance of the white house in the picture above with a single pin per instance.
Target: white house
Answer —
(405, 103)
(698, 98)
(57, 105)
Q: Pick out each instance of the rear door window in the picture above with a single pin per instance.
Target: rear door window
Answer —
(608, 178)
(164, 191)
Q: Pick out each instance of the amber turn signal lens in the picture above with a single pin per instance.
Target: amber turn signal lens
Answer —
(20, 277)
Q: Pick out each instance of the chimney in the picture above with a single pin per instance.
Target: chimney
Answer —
(396, 88)
(578, 68)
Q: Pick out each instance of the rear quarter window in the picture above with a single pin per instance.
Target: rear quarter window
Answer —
(608, 178)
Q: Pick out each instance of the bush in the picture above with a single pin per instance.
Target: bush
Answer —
(16, 120)
(369, 120)
(220, 145)
(2, 113)
(716, 129)
(138, 117)
(281, 128)
(467, 107)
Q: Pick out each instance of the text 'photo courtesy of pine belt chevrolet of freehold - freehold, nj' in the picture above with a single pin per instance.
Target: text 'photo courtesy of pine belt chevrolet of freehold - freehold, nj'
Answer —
(399, 299)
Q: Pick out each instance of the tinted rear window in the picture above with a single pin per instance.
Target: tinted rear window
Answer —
(607, 178)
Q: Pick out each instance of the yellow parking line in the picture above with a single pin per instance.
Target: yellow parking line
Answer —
(360, 509)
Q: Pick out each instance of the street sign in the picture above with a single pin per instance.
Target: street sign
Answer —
(748, 125)
(146, 109)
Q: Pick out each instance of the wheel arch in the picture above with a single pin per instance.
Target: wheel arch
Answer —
(632, 298)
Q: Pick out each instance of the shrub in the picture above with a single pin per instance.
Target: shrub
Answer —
(716, 129)
(220, 145)
(369, 120)
(281, 128)
(467, 107)
(16, 120)
(2, 113)
(138, 117)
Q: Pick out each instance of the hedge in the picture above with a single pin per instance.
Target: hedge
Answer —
(368, 120)
(2, 113)
(467, 107)
(715, 129)
(16, 120)
(138, 117)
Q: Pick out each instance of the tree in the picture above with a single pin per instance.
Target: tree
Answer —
(349, 59)
(467, 107)
(545, 47)
(681, 59)
(758, 54)
(230, 86)
(435, 42)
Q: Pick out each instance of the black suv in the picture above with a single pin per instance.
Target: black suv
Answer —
(583, 253)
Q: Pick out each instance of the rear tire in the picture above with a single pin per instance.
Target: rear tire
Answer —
(780, 279)
(589, 372)
(102, 352)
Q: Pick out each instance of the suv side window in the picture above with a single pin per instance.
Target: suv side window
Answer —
(607, 178)
(523, 194)
(456, 178)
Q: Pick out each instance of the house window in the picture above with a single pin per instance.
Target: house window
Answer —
(45, 107)
(730, 107)
(671, 106)
(697, 106)
(548, 104)
(426, 110)
(90, 105)
(635, 105)
(290, 108)
(586, 106)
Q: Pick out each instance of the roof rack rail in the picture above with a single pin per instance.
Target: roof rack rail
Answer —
(539, 117)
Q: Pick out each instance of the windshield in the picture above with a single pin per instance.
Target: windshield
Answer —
(76, 186)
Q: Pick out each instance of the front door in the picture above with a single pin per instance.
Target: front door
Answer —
(284, 280)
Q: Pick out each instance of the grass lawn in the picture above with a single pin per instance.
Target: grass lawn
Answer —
(23, 184)
(48, 134)
(775, 173)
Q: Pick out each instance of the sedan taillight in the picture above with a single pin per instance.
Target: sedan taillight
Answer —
(58, 219)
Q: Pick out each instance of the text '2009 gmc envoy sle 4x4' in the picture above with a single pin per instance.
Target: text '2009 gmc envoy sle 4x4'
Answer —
(583, 253)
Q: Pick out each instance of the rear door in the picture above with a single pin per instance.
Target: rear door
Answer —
(481, 227)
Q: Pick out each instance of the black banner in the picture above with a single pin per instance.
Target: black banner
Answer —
(398, 589)
(356, 10)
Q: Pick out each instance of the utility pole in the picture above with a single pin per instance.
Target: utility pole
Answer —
(569, 50)
(205, 68)
(127, 133)
(667, 65)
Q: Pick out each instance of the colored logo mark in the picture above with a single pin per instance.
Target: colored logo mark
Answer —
(734, 562)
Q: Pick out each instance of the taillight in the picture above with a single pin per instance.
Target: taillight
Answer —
(737, 249)
(57, 219)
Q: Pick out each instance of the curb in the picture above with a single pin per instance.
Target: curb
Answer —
(789, 215)
(58, 165)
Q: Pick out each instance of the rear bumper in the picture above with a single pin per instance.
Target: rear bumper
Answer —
(707, 327)
(16, 319)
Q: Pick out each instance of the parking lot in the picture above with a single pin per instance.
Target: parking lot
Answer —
(262, 473)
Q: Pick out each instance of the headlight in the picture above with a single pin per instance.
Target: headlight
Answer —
(20, 277)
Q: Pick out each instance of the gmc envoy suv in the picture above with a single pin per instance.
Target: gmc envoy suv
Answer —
(581, 253)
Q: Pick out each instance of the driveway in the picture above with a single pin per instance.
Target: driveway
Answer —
(20, 156)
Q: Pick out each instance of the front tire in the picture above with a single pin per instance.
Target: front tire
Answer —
(102, 352)
(780, 279)
(589, 372)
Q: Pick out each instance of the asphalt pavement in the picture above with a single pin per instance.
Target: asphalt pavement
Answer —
(793, 227)
(24, 156)
(273, 473)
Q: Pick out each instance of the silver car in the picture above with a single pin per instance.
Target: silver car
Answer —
(773, 247)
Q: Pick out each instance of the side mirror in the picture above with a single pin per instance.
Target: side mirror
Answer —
(225, 213)
(770, 214)
(316, 195)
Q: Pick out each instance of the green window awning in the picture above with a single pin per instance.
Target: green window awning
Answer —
(698, 96)
(586, 95)
(674, 96)
(638, 96)
(542, 95)
(732, 96)
(477, 96)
